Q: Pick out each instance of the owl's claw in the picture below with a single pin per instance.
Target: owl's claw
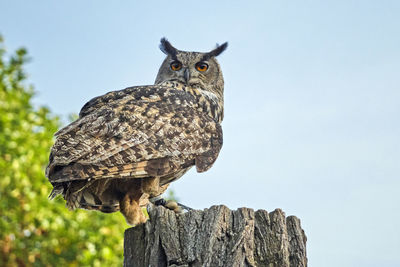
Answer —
(159, 202)
(172, 205)
(184, 207)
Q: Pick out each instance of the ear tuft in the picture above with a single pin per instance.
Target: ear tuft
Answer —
(217, 51)
(167, 48)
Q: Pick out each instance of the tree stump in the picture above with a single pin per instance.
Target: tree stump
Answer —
(216, 237)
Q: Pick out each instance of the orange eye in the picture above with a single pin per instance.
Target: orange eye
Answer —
(201, 66)
(176, 65)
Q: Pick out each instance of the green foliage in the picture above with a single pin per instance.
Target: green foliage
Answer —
(33, 230)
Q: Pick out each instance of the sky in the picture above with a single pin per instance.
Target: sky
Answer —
(312, 93)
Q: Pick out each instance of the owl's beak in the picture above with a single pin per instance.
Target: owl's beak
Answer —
(186, 75)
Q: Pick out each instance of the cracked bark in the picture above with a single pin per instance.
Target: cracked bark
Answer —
(216, 237)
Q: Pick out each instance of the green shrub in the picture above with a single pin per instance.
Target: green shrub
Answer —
(33, 230)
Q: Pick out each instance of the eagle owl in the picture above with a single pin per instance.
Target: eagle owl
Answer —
(127, 146)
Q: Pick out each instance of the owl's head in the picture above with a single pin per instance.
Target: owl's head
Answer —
(195, 69)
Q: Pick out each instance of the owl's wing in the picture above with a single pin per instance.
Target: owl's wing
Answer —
(94, 104)
(134, 133)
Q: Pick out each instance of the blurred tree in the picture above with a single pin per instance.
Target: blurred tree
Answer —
(33, 230)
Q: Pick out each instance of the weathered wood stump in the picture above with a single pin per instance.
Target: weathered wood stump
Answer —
(216, 237)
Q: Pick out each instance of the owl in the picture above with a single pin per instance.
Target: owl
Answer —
(127, 146)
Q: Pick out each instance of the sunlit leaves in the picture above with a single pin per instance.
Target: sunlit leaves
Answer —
(33, 230)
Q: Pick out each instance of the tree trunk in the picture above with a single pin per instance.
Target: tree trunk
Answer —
(216, 237)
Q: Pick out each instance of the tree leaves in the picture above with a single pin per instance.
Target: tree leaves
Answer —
(33, 230)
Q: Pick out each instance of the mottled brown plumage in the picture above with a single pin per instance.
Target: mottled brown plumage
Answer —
(128, 145)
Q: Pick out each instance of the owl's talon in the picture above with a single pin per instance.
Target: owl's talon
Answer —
(184, 207)
(178, 210)
(159, 202)
(172, 205)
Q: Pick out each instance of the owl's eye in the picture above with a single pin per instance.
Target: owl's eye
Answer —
(202, 66)
(176, 65)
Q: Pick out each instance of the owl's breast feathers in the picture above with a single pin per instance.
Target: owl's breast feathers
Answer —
(138, 132)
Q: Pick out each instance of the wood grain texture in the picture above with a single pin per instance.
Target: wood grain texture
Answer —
(216, 237)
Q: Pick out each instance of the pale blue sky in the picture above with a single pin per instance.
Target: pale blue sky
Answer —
(312, 93)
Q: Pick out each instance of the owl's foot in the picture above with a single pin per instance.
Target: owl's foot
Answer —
(129, 207)
(172, 205)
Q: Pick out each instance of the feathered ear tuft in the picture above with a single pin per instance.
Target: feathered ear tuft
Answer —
(217, 51)
(167, 48)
